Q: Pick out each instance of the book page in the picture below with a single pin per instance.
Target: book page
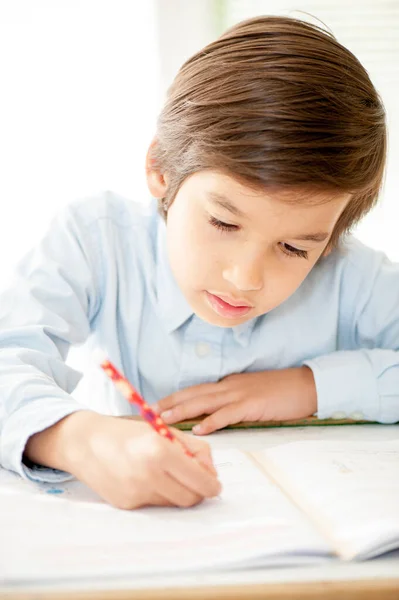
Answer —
(351, 489)
(65, 530)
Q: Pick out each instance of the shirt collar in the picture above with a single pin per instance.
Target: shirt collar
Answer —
(173, 307)
(242, 333)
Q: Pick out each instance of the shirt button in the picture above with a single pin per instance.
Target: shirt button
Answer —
(338, 415)
(202, 349)
(357, 416)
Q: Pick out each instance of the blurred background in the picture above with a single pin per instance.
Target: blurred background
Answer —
(82, 82)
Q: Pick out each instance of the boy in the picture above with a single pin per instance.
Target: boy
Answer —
(242, 301)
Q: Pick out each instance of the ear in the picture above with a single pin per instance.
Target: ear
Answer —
(156, 181)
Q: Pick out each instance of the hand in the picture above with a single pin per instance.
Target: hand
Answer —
(262, 396)
(126, 462)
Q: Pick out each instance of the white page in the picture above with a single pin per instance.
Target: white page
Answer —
(50, 531)
(351, 488)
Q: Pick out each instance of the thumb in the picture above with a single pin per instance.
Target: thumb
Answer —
(199, 448)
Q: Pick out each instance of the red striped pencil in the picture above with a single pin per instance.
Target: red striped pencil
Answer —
(129, 392)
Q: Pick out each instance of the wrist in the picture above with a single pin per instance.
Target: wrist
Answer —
(307, 390)
(58, 446)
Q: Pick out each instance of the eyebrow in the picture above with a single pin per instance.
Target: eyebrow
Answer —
(312, 237)
(223, 202)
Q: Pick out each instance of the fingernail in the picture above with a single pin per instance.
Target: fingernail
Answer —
(166, 415)
(197, 429)
(155, 408)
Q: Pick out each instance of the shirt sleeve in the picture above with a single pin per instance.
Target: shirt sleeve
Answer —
(48, 307)
(361, 381)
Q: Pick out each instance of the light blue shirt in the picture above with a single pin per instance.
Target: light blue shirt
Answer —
(101, 274)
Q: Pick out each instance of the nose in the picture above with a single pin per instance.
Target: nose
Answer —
(245, 275)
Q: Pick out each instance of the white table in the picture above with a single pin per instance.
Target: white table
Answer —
(378, 578)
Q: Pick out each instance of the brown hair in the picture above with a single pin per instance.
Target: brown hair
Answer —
(276, 103)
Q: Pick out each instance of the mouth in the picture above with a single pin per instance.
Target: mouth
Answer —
(227, 307)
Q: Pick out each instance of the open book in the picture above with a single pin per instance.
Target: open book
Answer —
(297, 502)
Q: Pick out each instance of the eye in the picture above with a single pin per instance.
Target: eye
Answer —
(221, 225)
(292, 251)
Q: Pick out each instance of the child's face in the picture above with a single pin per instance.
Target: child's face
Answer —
(237, 253)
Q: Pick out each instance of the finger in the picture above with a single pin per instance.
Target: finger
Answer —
(192, 474)
(175, 492)
(196, 407)
(130, 497)
(176, 398)
(204, 457)
(227, 415)
(159, 500)
(199, 448)
(154, 499)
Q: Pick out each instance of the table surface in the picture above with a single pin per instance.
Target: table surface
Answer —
(377, 578)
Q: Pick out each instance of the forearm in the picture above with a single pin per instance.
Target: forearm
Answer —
(57, 447)
(35, 393)
(300, 395)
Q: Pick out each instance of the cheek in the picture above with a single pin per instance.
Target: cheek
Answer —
(281, 280)
(298, 272)
(189, 254)
(296, 277)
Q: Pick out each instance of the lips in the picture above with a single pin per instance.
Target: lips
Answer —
(227, 307)
(237, 303)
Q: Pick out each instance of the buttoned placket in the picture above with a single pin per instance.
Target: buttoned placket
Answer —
(201, 354)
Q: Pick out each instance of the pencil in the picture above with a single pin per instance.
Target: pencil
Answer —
(132, 395)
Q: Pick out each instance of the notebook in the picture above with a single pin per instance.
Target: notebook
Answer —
(295, 503)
